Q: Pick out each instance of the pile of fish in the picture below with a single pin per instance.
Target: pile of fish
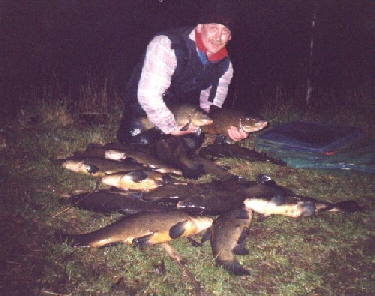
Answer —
(146, 184)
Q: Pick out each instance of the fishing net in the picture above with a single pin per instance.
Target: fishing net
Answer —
(319, 146)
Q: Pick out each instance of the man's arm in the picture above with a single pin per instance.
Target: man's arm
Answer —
(159, 66)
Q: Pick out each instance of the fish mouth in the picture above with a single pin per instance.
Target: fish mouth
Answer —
(252, 128)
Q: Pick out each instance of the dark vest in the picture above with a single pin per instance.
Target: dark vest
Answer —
(189, 79)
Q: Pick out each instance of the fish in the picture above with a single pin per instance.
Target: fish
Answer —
(171, 192)
(141, 155)
(298, 206)
(235, 151)
(223, 119)
(96, 166)
(268, 198)
(152, 162)
(229, 195)
(212, 203)
(107, 201)
(141, 180)
(228, 237)
(173, 151)
(142, 229)
(184, 114)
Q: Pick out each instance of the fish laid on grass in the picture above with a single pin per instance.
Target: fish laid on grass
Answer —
(106, 201)
(143, 229)
(228, 237)
(123, 153)
(170, 192)
(138, 180)
(298, 206)
(224, 198)
(211, 203)
(96, 166)
(149, 160)
(235, 151)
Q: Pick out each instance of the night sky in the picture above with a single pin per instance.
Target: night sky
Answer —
(64, 42)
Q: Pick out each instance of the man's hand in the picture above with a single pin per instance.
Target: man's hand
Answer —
(235, 134)
(181, 130)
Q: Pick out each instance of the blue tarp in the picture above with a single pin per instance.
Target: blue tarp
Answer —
(321, 146)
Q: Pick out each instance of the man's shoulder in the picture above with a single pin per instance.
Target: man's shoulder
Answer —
(172, 32)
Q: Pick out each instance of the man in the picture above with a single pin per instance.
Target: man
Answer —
(183, 65)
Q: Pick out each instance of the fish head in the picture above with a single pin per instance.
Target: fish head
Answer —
(251, 124)
(79, 167)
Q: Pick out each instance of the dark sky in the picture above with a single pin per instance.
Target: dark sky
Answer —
(64, 41)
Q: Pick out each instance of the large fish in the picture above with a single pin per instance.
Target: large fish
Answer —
(172, 150)
(97, 166)
(212, 203)
(229, 196)
(143, 229)
(105, 201)
(142, 155)
(149, 160)
(184, 115)
(235, 151)
(223, 119)
(138, 180)
(170, 192)
(268, 198)
(228, 237)
(298, 206)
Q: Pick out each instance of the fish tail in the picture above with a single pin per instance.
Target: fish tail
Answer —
(348, 206)
(75, 240)
(233, 267)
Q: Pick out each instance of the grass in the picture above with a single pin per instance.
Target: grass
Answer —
(331, 254)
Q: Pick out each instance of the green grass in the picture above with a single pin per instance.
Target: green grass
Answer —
(331, 254)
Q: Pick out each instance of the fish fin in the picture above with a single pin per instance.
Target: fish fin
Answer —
(348, 206)
(193, 242)
(136, 194)
(220, 139)
(142, 241)
(244, 214)
(265, 179)
(92, 169)
(167, 179)
(177, 230)
(194, 171)
(233, 267)
(307, 209)
(138, 176)
(206, 236)
(240, 249)
(185, 127)
(75, 240)
(278, 200)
